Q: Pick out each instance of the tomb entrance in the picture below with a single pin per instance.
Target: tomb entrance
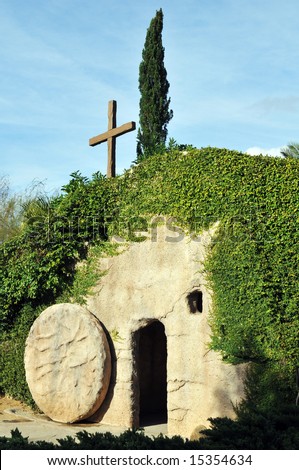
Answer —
(151, 360)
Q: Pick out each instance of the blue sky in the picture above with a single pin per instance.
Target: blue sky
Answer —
(232, 67)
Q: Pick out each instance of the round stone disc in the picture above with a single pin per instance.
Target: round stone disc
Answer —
(67, 363)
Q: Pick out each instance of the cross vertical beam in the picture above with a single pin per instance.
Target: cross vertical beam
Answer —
(111, 141)
(110, 136)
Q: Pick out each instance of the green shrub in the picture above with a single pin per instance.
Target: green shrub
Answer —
(256, 431)
(12, 376)
(276, 429)
(40, 267)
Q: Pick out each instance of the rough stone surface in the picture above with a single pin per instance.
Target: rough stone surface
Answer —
(152, 281)
(68, 363)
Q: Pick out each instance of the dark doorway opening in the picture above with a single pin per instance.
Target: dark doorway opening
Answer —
(152, 374)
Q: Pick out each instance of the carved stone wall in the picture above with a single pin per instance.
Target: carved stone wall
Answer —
(161, 280)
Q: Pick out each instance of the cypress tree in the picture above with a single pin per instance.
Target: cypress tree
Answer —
(154, 112)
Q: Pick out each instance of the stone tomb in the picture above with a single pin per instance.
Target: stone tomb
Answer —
(152, 308)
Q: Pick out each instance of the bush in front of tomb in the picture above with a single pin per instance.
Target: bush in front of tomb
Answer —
(276, 430)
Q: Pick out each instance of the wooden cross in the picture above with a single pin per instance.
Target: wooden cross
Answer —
(110, 136)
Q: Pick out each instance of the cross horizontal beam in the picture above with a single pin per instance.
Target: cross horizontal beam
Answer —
(115, 132)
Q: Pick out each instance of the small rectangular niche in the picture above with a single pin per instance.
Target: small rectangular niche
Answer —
(195, 301)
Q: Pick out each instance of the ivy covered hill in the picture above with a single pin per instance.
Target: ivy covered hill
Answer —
(253, 266)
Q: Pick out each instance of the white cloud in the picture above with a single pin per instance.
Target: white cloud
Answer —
(273, 152)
